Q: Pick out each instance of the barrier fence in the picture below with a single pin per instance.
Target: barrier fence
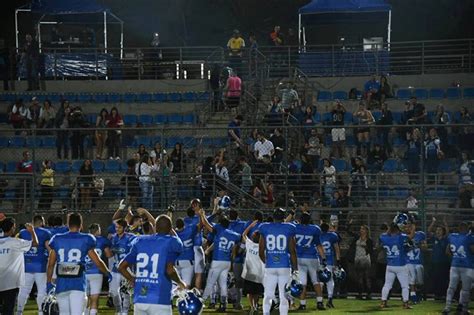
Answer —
(145, 63)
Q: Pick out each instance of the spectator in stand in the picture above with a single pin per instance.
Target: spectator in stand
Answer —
(246, 182)
(412, 155)
(263, 147)
(20, 116)
(234, 133)
(144, 170)
(338, 133)
(307, 182)
(419, 112)
(215, 84)
(407, 114)
(114, 121)
(25, 166)
(386, 119)
(411, 201)
(85, 183)
(279, 145)
(31, 57)
(360, 253)
(77, 121)
(292, 38)
(308, 120)
(440, 260)
(130, 183)
(62, 122)
(47, 186)
(178, 158)
(385, 90)
(221, 171)
(157, 153)
(328, 178)
(465, 133)
(276, 106)
(376, 159)
(253, 54)
(365, 119)
(465, 200)
(47, 115)
(432, 154)
(235, 45)
(35, 109)
(233, 90)
(314, 148)
(340, 199)
(465, 176)
(371, 89)
(359, 181)
(165, 169)
(101, 133)
(276, 37)
(289, 97)
(442, 117)
(252, 139)
(142, 151)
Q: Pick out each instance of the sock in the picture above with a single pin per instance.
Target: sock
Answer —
(87, 312)
(319, 298)
(93, 311)
(412, 293)
(302, 302)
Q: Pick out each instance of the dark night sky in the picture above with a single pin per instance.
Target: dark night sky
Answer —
(210, 22)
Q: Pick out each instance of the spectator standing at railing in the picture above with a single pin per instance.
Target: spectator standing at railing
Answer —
(235, 45)
(371, 88)
(25, 166)
(432, 154)
(47, 115)
(412, 155)
(466, 141)
(234, 133)
(233, 90)
(178, 158)
(20, 116)
(35, 109)
(359, 181)
(465, 200)
(440, 261)
(407, 114)
(465, 176)
(328, 178)
(338, 133)
(376, 158)
(47, 186)
(85, 183)
(386, 119)
(114, 122)
(221, 171)
(314, 148)
(157, 153)
(385, 90)
(62, 123)
(442, 117)
(30, 56)
(289, 97)
(419, 112)
(142, 150)
(77, 121)
(215, 85)
(365, 118)
(144, 170)
(263, 147)
(246, 175)
(165, 169)
(279, 145)
(101, 133)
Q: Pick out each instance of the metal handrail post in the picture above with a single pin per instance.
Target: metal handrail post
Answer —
(422, 57)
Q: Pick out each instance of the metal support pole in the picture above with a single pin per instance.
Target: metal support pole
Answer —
(16, 30)
(423, 175)
(299, 32)
(332, 59)
(389, 29)
(105, 31)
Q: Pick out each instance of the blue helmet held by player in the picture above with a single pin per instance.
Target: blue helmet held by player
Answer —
(50, 305)
(401, 220)
(294, 288)
(224, 203)
(324, 275)
(339, 274)
(188, 302)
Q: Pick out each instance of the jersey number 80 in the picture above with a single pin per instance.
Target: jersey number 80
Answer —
(276, 242)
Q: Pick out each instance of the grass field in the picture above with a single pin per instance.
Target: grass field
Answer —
(343, 306)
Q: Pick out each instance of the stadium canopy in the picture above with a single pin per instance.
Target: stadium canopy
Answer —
(343, 11)
(70, 11)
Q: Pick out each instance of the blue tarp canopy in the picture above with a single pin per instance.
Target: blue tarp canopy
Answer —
(60, 7)
(344, 6)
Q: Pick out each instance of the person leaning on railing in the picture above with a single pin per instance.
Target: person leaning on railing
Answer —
(47, 186)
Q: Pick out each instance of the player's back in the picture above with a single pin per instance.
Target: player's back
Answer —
(121, 246)
(101, 244)
(224, 242)
(71, 250)
(394, 245)
(187, 236)
(277, 238)
(459, 247)
(152, 253)
(328, 239)
(307, 238)
(414, 254)
(58, 230)
(36, 258)
(194, 221)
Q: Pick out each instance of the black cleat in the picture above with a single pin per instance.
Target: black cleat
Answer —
(110, 302)
(329, 304)
(302, 308)
(212, 306)
(320, 306)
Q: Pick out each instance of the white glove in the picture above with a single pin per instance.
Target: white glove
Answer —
(122, 204)
(295, 275)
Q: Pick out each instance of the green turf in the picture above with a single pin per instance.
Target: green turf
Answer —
(343, 306)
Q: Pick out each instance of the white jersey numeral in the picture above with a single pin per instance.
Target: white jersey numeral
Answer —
(278, 242)
(73, 255)
(143, 261)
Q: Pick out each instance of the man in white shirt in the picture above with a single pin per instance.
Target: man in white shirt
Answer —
(12, 263)
(263, 147)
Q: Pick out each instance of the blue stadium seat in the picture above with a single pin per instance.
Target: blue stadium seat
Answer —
(398, 142)
(189, 97)
(348, 118)
(112, 166)
(130, 120)
(71, 97)
(55, 97)
(174, 97)
(350, 140)
(340, 165)
(421, 94)
(446, 166)
(62, 167)
(129, 97)
(3, 118)
(188, 142)
(100, 98)
(41, 97)
(397, 117)
(10, 194)
(390, 166)
(144, 97)
(11, 167)
(17, 142)
(453, 93)
(11, 97)
(128, 140)
(203, 96)
(98, 166)
(340, 95)
(327, 118)
(324, 96)
(400, 192)
(175, 119)
(403, 94)
(317, 118)
(171, 142)
(159, 97)
(4, 142)
(84, 98)
(92, 119)
(33, 142)
(377, 115)
(468, 93)
(154, 140)
(63, 193)
(327, 140)
(49, 142)
(76, 166)
(114, 98)
(437, 94)
(160, 119)
(145, 119)
(188, 119)
(145, 140)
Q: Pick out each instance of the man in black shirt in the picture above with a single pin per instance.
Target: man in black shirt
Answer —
(338, 133)
(279, 144)
(419, 112)
(31, 56)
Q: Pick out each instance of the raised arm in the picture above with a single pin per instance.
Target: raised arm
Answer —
(34, 238)
(118, 213)
(261, 249)
(145, 213)
(247, 230)
(204, 222)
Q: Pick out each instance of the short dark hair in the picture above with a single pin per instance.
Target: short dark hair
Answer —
(122, 222)
(325, 227)
(94, 227)
(224, 221)
(179, 223)
(305, 218)
(135, 218)
(279, 214)
(258, 215)
(163, 224)
(239, 117)
(58, 221)
(51, 220)
(38, 219)
(233, 214)
(74, 220)
(190, 212)
(7, 224)
(147, 228)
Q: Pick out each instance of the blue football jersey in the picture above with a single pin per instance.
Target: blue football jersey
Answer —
(414, 254)
(194, 221)
(277, 238)
(459, 244)
(328, 240)
(58, 230)
(120, 247)
(395, 248)
(187, 236)
(150, 254)
(224, 242)
(101, 244)
(307, 238)
(36, 259)
(239, 227)
(71, 249)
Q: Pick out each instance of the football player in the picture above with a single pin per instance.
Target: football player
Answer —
(415, 260)
(330, 243)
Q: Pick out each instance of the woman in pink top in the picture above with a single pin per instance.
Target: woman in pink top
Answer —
(114, 120)
(233, 90)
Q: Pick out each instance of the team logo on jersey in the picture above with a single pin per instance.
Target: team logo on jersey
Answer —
(144, 290)
(276, 258)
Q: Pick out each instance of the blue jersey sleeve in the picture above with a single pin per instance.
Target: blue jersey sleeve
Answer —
(175, 250)
(131, 257)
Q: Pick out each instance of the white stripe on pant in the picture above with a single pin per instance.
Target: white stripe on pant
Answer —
(71, 302)
(40, 279)
(399, 272)
(272, 278)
